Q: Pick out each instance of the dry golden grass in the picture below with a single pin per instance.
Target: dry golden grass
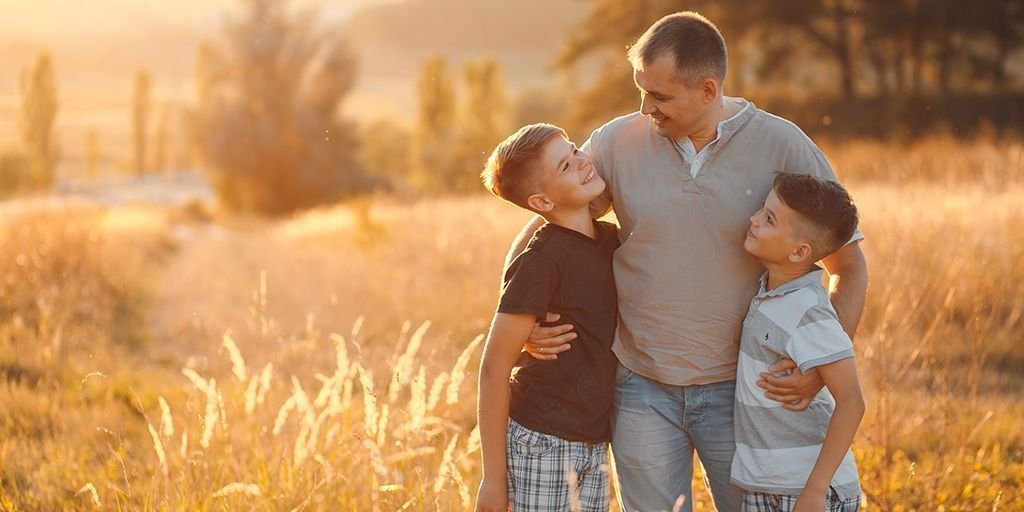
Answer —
(150, 360)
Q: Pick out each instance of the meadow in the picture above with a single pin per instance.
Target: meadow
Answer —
(180, 359)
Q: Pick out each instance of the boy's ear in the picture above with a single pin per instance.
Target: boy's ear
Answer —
(801, 253)
(540, 203)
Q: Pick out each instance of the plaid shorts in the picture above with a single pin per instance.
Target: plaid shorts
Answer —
(546, 472)
(763, 502)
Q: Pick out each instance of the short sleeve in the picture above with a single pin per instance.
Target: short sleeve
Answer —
(819, 339)
(529, 285)
(595, 147)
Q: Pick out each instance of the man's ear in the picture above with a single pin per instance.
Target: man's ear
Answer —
(709, 90)
(801, 253)
(540, 203)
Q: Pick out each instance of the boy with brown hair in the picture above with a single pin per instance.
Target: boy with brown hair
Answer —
(544, 431)
(787, 460)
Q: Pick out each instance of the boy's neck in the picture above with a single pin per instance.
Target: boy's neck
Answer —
(782, 273)
(576, 220)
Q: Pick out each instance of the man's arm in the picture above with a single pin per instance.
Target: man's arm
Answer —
(851, 290)
(795, 391)
(504, 343)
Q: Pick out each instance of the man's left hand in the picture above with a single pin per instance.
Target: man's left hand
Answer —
(795, 390)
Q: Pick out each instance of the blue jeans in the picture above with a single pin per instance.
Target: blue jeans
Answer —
(655, 429)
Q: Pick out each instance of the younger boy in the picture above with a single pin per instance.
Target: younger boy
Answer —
(544, 433)
(788, 460)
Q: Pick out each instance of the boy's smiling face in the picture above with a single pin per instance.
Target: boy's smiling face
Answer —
(568, 176)
(771, 237)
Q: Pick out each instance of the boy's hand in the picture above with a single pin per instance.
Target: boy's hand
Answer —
(546, 343)
(795, 390)
(492, 497)
(810, 500)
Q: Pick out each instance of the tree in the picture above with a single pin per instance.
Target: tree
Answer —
(483, 123)
(36, 117)
(140, 121)
(384, 150)
(92, 154)
(160, 148)
(267, 116)
(432, 160)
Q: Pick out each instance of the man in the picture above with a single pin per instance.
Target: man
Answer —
(684, 176)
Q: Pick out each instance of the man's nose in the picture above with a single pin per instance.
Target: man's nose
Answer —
(646, 108)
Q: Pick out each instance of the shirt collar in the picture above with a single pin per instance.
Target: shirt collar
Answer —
(725, 129)
(811, 278)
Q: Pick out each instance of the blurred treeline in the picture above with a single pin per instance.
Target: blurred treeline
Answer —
(847, 67)
(266, 120)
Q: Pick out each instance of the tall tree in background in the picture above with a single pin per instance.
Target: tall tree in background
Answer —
(92, 154)
(433, 164)
(36, 117)
(160, 147)
(140, 122)
(826, 24)
(267, 117)
(483, 122)
(602, 37)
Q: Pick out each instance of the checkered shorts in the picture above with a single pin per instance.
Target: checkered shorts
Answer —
(762, 502)
(546, 472)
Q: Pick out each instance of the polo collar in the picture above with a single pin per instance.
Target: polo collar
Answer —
(811, 278)
(729, 127)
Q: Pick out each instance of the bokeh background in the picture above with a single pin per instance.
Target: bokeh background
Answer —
(247, 261)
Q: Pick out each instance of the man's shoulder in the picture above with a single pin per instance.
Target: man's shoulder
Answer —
(634, 122)
(780, 127)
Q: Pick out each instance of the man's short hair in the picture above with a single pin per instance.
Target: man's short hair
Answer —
(828, 217)
(695, 42)
(513, 170)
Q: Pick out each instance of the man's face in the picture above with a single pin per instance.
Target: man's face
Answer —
(771, 236)
(677, 110)
(569, 178)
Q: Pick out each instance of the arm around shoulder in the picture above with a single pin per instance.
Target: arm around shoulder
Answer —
(850, 292)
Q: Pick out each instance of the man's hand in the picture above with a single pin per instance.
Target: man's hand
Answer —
(546, 343)
(795, 390)
(492, 496)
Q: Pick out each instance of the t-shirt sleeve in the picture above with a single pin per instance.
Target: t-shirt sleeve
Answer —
(806, 157)
(529, 285)
(595, 147)
(819, 339)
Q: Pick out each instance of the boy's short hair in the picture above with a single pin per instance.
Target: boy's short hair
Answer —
(513, 169)
(828, 217)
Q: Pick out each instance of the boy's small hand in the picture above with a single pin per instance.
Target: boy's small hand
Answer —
(796, 390)
(492, 497)
(810, 501)
(546, 343)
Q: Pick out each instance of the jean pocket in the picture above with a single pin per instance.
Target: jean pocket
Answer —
(623, 375)
(527, 443)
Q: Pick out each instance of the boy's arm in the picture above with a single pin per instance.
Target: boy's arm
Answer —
(796, 391)
(545, 343)
(841, 379)
(504, 343)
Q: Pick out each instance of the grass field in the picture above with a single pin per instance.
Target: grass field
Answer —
(172, 359)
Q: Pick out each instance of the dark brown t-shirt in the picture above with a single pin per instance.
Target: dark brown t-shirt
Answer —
(566, 272)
